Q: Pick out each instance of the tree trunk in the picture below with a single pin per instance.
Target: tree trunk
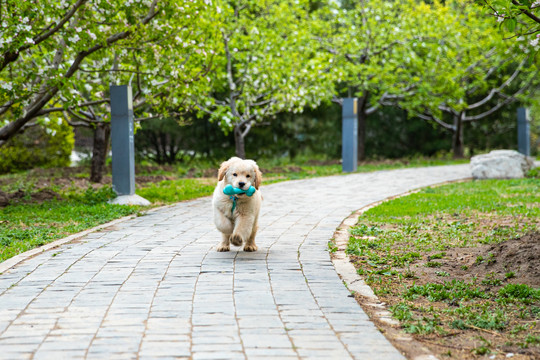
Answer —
(457, 140)
(361, 115)
(102, 135)
(239, 143)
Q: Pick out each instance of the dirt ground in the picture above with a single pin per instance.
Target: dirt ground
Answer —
(518, 256)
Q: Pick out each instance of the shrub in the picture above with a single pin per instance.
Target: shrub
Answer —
(49, 144)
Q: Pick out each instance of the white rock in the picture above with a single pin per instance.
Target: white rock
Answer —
(129, 200)
(501, 164)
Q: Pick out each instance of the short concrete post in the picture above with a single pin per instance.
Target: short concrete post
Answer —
(349, 149)
(123, 148)
(523, 129)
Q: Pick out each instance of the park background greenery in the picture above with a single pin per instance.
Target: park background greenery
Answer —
(265, 79)
(436, 82)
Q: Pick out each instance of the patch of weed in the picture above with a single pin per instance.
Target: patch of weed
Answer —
(519, 292)
(450, 290)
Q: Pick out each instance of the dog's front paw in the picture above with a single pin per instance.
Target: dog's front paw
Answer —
(236, 240)
(223, 248)
(250, 247)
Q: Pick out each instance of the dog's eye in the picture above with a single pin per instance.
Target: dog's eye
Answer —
(248, 175)
(235, 174)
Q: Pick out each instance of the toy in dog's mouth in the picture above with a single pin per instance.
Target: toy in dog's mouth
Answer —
(230, 190)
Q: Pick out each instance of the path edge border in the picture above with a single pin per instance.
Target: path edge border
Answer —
(367, 300)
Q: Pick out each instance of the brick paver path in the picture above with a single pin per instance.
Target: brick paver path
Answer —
(154, 286)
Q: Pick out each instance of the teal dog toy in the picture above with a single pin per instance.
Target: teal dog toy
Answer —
(232, 192)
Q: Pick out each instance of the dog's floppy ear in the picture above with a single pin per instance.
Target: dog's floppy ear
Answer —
(258, 177)
(223, 169)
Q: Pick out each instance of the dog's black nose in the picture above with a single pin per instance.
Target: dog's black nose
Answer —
(241, 184)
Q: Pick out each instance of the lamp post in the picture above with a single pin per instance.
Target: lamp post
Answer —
(123, 148)
(523, 129)
(349, 149)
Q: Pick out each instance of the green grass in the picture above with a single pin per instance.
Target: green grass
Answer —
(395, 243)
(26, 226)
(172, 191)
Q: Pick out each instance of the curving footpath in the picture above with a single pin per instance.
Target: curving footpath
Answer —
(154, 287)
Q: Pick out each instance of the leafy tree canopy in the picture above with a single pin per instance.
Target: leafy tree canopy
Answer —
(58, 55)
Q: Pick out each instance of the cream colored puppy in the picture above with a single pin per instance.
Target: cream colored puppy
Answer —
(237, 223)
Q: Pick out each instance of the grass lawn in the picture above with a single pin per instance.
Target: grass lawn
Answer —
(459, 266)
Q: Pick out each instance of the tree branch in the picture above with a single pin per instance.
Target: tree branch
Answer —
(430, 117)
(56, 109)
(508, 100)
(497, 90)
(10, 57)
(526, 12)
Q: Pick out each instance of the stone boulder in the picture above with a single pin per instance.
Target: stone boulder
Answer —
(501, 164)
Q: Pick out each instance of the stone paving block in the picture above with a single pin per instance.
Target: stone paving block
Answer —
(259, 340)
(258, 321)
(116, 344)
(23, 342)
(233, 355)
(167, 325)
(125, 332)
(59, 354)
(66, 342)
(104, 353)
(326, 354)
(276, 353)
(16, 354)
(217, 339)
(224, 348)
(165, 348)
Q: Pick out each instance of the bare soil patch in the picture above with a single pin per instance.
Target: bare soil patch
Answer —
(521, 257)
(20, 196)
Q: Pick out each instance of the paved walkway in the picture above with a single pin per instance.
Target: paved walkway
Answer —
(154, 286)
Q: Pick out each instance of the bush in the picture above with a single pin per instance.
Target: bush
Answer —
(48, 144)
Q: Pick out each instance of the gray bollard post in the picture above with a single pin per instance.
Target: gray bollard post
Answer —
(523, 129)
(123, 147)
(349, 149)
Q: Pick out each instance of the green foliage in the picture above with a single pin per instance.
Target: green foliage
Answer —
(263, 67)
(46, 145)
(165, 47)
(518, 17)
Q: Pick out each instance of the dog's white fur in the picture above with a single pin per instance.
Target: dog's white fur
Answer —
(239, 227)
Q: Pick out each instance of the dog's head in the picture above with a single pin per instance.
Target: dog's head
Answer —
(240, 173)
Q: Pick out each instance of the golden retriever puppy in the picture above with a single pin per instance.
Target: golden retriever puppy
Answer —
(237, 202)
